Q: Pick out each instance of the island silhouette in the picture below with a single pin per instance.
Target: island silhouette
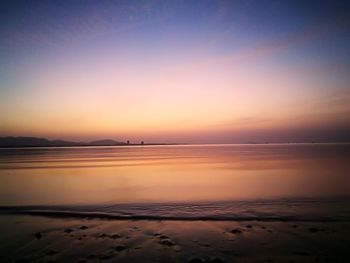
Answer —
(8, 142)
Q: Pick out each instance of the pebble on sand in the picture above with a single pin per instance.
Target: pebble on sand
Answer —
(314, 229)
(236, 231)
(216, 260)
(51, 252)
(68, 230)
(22, 260)
(105, 256)
(204, 245)
(83, 227)
(195, 260)
(120, 247)
(115, 236)
(38, 235)
(166, 242)
(100, 256)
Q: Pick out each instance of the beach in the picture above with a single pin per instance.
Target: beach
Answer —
(47, 239)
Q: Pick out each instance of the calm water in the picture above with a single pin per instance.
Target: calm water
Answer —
(206, 181)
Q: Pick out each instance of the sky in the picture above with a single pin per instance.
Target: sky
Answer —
(176, 71)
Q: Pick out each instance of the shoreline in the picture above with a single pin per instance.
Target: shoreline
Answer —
(177, 144)
(112, 217)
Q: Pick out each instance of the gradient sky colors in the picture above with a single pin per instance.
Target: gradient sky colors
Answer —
(176, 71)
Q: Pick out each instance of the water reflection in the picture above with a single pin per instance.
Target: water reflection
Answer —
(91, 175)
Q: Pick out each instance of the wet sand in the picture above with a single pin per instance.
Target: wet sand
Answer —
(44, 239)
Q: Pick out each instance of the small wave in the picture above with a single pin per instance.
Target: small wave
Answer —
(102, 215)
(285, 210)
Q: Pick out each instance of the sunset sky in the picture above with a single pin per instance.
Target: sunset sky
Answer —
(176, 71)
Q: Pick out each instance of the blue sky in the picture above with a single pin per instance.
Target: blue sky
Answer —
(212, 50)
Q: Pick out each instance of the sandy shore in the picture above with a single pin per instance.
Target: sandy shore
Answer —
(43, 239)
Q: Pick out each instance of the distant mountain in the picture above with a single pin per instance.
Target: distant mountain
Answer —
(106, 142)
(64, 143)
(43, 142)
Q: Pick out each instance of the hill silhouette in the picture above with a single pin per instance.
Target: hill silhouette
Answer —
(43, 142)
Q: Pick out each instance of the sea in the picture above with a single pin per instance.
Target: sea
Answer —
(266, 182)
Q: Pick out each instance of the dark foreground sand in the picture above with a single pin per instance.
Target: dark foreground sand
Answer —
(43, 239)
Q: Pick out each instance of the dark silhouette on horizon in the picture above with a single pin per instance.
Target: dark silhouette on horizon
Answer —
(8, 142)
